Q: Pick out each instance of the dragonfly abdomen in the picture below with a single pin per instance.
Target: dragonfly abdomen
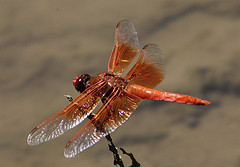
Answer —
(152, 94)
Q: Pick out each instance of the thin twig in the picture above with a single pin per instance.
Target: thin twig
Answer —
(114, 150)
(134, 161)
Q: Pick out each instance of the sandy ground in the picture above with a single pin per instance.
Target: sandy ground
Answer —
(45, 44)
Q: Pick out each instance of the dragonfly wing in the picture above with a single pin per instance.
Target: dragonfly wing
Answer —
(113, 113)
(73, 114)
(149, 68)
(125, 49)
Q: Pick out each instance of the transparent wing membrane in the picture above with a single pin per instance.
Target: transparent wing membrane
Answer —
(125, 49)
(149, 68)
(73, 114)
(110, 116)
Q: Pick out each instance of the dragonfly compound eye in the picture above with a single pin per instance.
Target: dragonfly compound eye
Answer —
(80, 82)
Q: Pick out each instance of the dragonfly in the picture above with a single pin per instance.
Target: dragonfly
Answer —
(119, 95)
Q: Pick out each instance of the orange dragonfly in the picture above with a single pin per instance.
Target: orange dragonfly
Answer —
(120, 96)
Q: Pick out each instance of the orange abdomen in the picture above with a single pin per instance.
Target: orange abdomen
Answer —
(152, 94)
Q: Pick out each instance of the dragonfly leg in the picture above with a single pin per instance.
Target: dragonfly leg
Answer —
(105, 96)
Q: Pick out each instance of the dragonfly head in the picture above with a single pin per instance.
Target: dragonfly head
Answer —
(80, 82)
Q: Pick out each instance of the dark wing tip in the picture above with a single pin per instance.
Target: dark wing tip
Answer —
(30, 140)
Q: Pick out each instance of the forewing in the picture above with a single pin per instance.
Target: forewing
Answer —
(113, 113)
(73, 114)
(149, 68)
(125, 49)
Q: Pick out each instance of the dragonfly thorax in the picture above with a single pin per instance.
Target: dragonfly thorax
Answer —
(115, 80)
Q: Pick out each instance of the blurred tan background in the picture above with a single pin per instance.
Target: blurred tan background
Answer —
(45, 44)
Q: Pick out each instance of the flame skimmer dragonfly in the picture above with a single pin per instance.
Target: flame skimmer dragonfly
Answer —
(120, 95)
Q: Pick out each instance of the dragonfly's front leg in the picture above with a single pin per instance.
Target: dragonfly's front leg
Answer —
(105, 96)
